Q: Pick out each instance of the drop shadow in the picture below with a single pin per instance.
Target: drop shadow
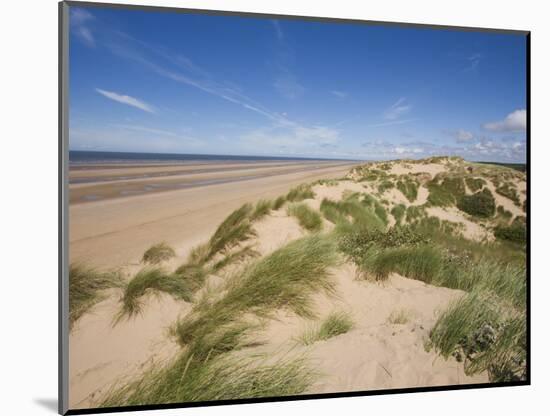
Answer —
(48, 404)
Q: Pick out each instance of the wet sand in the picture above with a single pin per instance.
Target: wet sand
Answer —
(183, 209)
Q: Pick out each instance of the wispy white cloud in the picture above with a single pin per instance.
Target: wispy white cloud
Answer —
(139, 140)
(484, 149)
(392, 123)
(79, 19)
(339, 94)
(293, 139)
(473, 62)
(397, 110)
(146, 130)
(278, 29)
(126, 99)
(286, 82)
(514, 122)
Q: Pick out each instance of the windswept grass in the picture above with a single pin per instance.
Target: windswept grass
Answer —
(236, 256)
(335, 324)
(279, 202)
(262, 208)
(481, 331)
(420, 263)
(354, 212)
(232, 231)
(300, 193)
(86, 289)
(151, 280)
(308, 218)
(187, 379)
(285, 278)
(158, 253)
(193, 275)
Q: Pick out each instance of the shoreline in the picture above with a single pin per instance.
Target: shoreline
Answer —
(116, 231)
(89, 186)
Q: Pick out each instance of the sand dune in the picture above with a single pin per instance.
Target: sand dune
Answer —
(378, 352)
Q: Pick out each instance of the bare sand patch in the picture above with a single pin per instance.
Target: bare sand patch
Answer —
(335, 192)
(470, 229)
(375, 354)
(506, 203)
(99, 354)
(274, 231)
(411, 168)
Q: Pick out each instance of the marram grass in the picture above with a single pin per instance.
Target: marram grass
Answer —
(307, 218)
(337, 323)
(86, 289)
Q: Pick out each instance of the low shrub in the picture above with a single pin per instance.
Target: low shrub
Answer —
(158, 253)
(481, 204)
(475, 184)
(385, 185)
(509, 191)
(408, 188)
(516, 233)
(447, 192)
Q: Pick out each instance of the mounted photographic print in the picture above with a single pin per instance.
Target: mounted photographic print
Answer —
(266, 208)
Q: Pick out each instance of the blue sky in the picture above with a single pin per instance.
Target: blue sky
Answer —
(181, 83)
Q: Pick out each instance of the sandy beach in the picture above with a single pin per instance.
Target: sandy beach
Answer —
(118, 228)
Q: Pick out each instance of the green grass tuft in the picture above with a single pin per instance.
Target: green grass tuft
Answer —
(158, 253)
(335, 324)
(300, 193)
(192, 275)
(239, 255)
(187, 380)
(232, 231)
(398, 213)
(262, 208)
(479, 330)
(285, 278)
(86, 289)
(385, 185)
(279, 202)
(308, 218)
(151, 280)
(408, 188)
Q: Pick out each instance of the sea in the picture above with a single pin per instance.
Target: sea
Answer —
(88, 157)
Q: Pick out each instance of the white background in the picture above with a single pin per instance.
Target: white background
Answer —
(28, 204)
